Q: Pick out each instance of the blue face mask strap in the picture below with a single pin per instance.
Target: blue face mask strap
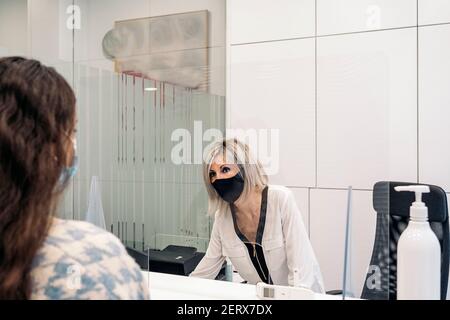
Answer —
(69, 172)
(72, 170)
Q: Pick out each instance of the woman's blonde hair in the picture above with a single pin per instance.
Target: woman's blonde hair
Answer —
(234, 152)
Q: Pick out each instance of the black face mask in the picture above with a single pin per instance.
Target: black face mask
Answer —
(229, 189)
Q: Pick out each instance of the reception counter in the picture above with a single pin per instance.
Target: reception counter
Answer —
(173, 287)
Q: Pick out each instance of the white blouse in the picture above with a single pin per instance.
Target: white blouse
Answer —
(285, 243)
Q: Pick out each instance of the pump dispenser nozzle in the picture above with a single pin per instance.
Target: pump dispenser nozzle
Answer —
(418, 209)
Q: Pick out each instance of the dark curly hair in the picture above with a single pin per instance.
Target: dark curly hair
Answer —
(37, 120)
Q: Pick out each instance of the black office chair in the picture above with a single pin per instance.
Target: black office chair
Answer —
(392, 209)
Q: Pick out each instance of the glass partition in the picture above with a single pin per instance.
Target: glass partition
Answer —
(150, 82)
(149, 77)
(367, 264)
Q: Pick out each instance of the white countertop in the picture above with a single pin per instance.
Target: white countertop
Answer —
(172, 287)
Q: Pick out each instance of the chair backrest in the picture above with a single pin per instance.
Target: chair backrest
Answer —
(392, 209)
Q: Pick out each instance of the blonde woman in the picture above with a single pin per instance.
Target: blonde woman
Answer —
(257, 226)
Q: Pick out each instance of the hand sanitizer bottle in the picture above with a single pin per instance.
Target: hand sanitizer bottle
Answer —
(418, 254)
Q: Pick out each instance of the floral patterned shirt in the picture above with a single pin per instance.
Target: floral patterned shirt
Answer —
(80, 261)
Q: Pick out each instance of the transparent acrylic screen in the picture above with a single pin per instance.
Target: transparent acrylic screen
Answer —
(149, 75)
(133, 98)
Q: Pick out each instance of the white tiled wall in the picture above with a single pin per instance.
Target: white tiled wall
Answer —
(434, 11)
(263, 20)
(272, 80)
(380, 110)
(366, 108)
(342, 16)
(434, 105)
(328, 209)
